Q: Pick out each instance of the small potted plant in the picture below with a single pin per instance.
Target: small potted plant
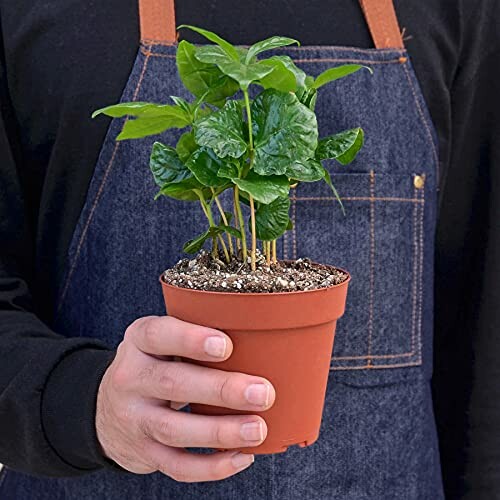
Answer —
(249, 135)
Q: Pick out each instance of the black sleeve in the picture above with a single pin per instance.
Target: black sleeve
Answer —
(48, 383)
(467, 336)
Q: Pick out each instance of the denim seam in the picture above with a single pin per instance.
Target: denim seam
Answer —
(355, 198)
(421, 272)
(149, 53)
(97, 197)
(424, 120)
(372, 265)
(151, 43)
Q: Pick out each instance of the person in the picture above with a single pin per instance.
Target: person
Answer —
(92, 401)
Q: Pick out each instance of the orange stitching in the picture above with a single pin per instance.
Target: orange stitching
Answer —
(374, 367)
(415, 274)
(372, 263)
(147, 41)
(148, 53)
(354, 198)
(421, 272)
(374, 356)
(422, 117)
(345, 60)
(98, 196)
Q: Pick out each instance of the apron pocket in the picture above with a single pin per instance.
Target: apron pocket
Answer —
(380, 242)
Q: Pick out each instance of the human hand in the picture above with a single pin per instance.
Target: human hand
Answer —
(136, 419)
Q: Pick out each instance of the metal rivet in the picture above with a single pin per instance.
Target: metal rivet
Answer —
(403, 59)
(419, 181)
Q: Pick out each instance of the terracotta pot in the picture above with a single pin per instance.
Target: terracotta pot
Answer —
(285, 337)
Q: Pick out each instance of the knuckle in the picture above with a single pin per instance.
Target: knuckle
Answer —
(151, 330)
(120, 377)
(168, 432)
(169, 380)
(222, 388)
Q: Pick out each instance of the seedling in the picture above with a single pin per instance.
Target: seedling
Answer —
(256, 147)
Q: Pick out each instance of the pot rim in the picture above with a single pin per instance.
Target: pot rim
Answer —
(264, 294)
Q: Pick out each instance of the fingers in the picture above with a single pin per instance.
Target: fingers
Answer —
(178, 381)
(164, 335)
(187, 467)
(179, 429)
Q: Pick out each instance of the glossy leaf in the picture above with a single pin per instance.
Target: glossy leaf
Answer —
(269, 44)
(231, 230)
(196, 244)
(186, 146)
(228, 48)
(228, 170)
(281, 78)
(212, 54)
(201, 79)
(272, 220)
(222, 131)
(245, 74)
(166, 166)
(264, 189)
(285, 131)
(144, 126)
(333, 74)
(307, 171)
(205, 165)
(342, 147)
(183, 190)
(137, 109)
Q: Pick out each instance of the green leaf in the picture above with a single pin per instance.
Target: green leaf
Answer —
(228, 170)
(285, 131)
(272, 220)
(281, 78)
(307, 171)
(184, 190)
(229, 49)
(166, 166)
(205, 165)
(222, 131)
(269, 44)
(196, 244)
(144, 126)
(264, 189)
(332, 74)
(201, 79)
(186, 145)
(136, 109)
(245, 74)
(231, 230)
(342, 147)
(328, 180)
(212, 54)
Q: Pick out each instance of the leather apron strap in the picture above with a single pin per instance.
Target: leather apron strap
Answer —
(158, 22)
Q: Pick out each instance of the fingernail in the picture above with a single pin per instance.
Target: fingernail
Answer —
(242, 460)
(252, 431)
(258, 394)
(215, 346)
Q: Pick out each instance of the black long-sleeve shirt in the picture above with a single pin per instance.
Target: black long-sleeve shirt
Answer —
(61, 59)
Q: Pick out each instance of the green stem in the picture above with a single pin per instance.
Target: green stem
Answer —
(224, 219)
(254, 238)
(274, 252)
(241, 222)
(208, 212)
(249, 118)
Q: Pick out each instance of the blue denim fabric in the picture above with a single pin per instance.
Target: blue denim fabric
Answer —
(378, 437)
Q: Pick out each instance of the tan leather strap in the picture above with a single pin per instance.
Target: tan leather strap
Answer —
(383, 23)
(158, 22)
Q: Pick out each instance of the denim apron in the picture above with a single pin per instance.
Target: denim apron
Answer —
(378, 437)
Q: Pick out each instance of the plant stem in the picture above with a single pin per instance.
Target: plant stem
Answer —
(208, 212)
(236, 220)
(249, 118)
(254, 239)
(274, 252)
(268, 252)
(224, 249)
(241, 222)
(224, 219)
